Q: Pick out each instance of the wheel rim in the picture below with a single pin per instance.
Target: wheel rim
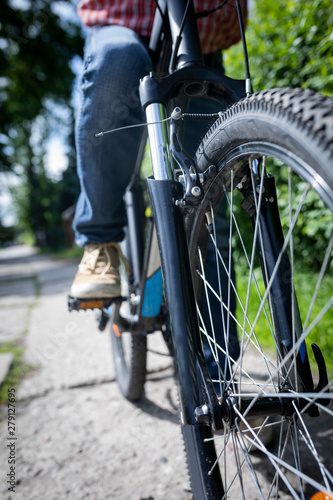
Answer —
(296, 464)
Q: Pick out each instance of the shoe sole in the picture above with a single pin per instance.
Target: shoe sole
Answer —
(100, 291)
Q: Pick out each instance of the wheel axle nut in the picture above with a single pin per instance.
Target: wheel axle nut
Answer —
(202, 415)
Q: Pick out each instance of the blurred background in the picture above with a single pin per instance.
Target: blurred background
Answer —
(41, 45)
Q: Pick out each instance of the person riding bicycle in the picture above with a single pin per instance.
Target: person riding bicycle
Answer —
(116, 57)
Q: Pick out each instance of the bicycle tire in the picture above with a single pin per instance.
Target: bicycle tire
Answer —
(295, 128)
(129, 354)
(129, 350)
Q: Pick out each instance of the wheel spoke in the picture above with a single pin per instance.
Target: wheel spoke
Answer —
(277, 295)
(291, 259)
(212, 341)
(270, 283)
(320, 279)
(311, 446)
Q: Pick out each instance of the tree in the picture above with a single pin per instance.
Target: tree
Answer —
(290, 43)
(36, 51)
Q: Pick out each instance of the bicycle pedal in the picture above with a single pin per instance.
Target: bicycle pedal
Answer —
(75, 304)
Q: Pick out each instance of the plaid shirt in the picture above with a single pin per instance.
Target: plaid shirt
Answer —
(218, 31)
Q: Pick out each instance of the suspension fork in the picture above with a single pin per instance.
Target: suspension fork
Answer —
(283, 301)
(190, 362)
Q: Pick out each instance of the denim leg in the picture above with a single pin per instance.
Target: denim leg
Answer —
(115, 60)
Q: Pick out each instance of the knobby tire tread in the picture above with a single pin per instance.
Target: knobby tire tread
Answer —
(305, 112)
(130, 375)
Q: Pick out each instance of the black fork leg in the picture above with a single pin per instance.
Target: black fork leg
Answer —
(195, 383)
(283, 302)
(177, 281)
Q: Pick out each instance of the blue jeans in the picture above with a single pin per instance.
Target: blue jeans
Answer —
(115, 60)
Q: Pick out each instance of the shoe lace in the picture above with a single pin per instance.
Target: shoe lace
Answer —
(103, 255)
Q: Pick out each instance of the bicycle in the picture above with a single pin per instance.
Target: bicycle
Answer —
(271, 153)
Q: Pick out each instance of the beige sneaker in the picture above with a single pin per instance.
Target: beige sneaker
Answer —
(98, 274)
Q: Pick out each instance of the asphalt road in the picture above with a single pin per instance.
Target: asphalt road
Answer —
(75, 436)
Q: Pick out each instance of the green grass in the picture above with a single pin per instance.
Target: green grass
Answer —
(305, 282)
(64, 253)
(16, 372)
(18, 368)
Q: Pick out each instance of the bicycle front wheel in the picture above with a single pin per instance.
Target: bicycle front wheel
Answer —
(273, 157)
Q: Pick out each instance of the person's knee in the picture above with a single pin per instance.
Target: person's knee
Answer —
(119, 62)
(121, 56)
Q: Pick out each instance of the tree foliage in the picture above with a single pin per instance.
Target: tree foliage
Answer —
(290, 43)
(36, 51)
(37, 47)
